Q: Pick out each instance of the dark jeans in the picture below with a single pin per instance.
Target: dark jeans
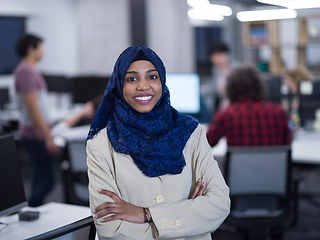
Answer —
(43, 170)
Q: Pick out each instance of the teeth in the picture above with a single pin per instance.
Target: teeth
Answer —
(143, 98)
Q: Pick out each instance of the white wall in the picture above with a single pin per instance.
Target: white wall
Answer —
(55, 21)
(104, 32)
(170, 35)
(288, 38)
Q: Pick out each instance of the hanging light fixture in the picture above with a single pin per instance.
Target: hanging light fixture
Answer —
(263, 15)
(203, 10)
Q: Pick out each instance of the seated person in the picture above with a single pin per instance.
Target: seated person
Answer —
(292, 78)
(76, 126)
(249, 120)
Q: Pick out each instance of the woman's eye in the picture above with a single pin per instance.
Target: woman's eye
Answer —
(130, 79)
(153, 77)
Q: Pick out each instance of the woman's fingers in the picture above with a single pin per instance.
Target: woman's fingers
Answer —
(101, 209)
(108, 193)
(197, 188)
(110, 218)
(122, 211)
(105, 205)
(200, 189)
(126, 212)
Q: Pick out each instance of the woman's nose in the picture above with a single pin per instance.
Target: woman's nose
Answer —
(144, 85)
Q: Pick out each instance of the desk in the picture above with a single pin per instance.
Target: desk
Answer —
(55, 219)
(305, 148)
(56, 114)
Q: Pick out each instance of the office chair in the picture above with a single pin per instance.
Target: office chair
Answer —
(262, 201)
(74, 171)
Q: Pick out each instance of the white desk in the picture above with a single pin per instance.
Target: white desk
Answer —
(56, 114)
(55, 219)
(305, 148)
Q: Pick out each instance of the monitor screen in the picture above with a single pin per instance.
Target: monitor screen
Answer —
(309, 100)
(57, 83)
(84, 89)
(273, 89)
(11, 29)
(4, 97)
(11, 188)
(184, 91)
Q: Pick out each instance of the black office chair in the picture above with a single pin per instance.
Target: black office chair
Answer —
(74, 171)
(263, 198)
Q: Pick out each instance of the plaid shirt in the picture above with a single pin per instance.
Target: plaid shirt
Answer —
(250, 123)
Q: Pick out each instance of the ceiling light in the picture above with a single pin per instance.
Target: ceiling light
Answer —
(262, 15)
(293, 4)
(202, 14)
(203, 10)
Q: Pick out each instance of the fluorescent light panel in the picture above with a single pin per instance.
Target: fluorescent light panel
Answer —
(293, 4)
(204, 15)
(203, 10)
(262, 15)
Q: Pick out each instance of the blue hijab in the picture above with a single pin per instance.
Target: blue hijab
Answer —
(155, 140)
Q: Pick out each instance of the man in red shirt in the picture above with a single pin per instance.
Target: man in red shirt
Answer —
(249, 120)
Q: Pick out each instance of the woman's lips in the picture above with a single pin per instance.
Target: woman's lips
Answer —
(143, 99)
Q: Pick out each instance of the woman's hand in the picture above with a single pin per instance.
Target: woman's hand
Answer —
(119, 210)
(200, 190)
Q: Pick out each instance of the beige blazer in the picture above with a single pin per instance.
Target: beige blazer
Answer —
(174, 215)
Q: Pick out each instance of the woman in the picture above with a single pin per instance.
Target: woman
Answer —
(151, 171)
(292, 79)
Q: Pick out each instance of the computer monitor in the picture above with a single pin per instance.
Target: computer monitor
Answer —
(57, 83)
(81, 230)
(85, 89)
(273, 89)
(309, 100)
(4, 97)
(11, 185)
(184, 92)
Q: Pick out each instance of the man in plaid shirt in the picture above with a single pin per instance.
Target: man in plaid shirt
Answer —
(249, 120)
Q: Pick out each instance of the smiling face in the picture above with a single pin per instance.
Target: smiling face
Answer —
(142, 86)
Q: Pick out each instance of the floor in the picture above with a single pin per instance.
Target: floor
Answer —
(307, 228)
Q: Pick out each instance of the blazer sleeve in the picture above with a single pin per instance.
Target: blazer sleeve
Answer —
(195, 216)
(101, 176)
